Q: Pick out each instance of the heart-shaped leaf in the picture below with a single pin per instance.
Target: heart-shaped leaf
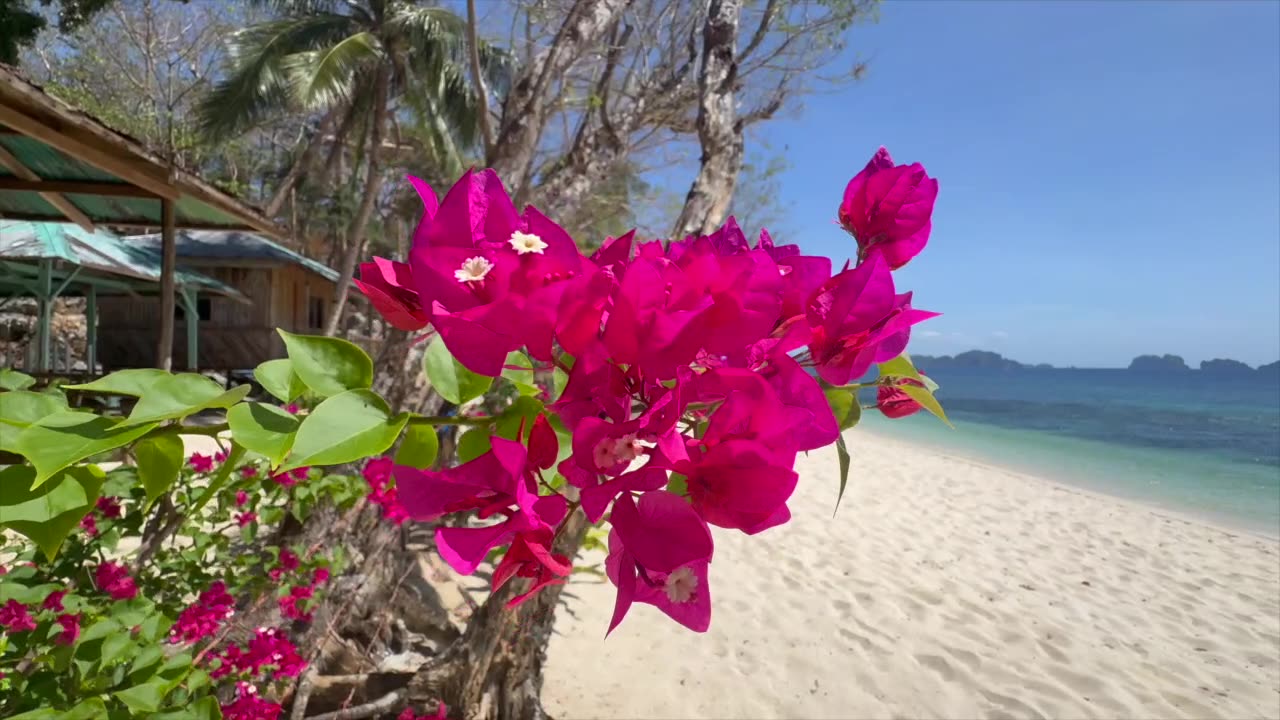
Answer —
(48, 513)
(11, 379)
(133, 382)
(346, 427)
(178, 396)
(264, 429)
(454, 382)
(328, 365)
(159, 462)
(419, 447)
(22, 407)
(67, 437)
(278, 378)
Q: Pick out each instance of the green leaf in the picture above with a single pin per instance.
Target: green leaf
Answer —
(678, 484)
(264, 429)
(328, 365)
(22, 407)
(842, 453)
(91, 709)
(278, 378)
(100, 629)
(11, 379)
(518, 370)
(39, 714)
(133, 382)
(146, 662)
(205, 709)
(178, 396)
(900, 367)
(58, 440)
(419, 447)
(559, 378)
(927, 401)
(348, 426)
(114, 646)
(47, 514)
(520, 412)
(844, 405)
(454, 382)
(159, 460)
(473, 443)
(144, 698)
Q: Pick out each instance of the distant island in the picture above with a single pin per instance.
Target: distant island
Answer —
(987, 360)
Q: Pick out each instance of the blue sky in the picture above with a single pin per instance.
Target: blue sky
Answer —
(1110, 173)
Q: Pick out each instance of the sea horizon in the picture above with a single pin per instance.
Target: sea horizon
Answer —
(1198, 445)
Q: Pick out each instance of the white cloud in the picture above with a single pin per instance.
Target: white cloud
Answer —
(929, 334)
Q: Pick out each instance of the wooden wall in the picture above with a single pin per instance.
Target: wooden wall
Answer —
(236, 336)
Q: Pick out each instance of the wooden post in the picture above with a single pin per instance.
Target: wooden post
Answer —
(44, 328)
(191, 317)
(168, 268)
(91, 329)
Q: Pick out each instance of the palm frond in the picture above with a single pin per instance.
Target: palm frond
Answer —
(432, 31)
(255, 85)
(321, 78)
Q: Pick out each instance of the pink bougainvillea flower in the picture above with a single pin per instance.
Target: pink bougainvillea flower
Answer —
(889, 208)
(289, 478)
(390, 287)
(287, 563)
(856, 319)
(894, 402)
(489, 278)
(268, 648)
(808, 414)
(320, 576)
(659, 550)
(53, 601)
(801, 274)
(248, 706)
(248, 471)
(242, 498)
(497, 482)
(109, 507)
(200, 462)
(70, 624)
(596, 387)
(738, 484)
(292, 408)
(113, 579)
(220, 456)
(530, 556)
(15, 617)
(657, 321)
(291, 604)
(377, 473)
(203, 617)
(89, 524)
(246, 518)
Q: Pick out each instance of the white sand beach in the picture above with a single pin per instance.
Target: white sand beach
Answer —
(944, 588)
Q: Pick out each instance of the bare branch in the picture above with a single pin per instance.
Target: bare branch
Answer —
(477, 77)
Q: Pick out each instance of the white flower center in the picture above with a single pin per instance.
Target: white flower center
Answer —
(681, 585)
(473, 269)
(626, 449)
(525, 243)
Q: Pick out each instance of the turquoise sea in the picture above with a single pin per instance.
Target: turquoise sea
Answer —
(1188, 442)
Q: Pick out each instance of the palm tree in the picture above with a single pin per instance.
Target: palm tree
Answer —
(356, 65)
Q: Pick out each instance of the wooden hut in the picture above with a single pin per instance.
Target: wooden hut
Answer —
(285, 290)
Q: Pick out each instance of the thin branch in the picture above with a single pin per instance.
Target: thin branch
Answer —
(477, 77)
(383, 704)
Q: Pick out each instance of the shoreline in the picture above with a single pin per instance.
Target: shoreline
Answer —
(943, 588)
(1216, 521)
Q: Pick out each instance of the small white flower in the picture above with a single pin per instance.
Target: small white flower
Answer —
(681, 585)
(473, 270)
(524, 243)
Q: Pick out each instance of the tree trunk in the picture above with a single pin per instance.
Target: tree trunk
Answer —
(372, 186)
(719, 130)
(524, 113)
(168, 270)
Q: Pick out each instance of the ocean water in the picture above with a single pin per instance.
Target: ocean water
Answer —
(1201, 445)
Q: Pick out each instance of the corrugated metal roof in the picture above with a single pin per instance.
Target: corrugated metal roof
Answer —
(59, 143)
(233, 245)
(102, 252)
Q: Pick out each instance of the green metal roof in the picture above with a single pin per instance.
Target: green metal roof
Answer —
(233, 245)
(48, 146)
(99, 258)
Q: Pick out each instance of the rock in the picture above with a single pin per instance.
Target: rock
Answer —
(1159, 364)
(405, 663)
(1219, 366)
